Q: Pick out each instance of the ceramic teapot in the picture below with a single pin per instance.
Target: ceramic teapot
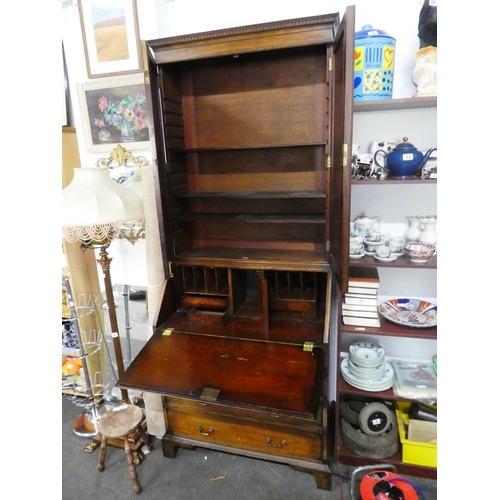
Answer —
(365, 223)
(404, 161)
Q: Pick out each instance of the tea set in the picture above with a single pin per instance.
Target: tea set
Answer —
(367, 239)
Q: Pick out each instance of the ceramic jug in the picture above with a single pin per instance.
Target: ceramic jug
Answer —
(364, 223)
(429, 234)
(413, 231)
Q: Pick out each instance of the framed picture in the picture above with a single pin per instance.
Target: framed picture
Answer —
(110, 37)
(114, 113)
(65, 92)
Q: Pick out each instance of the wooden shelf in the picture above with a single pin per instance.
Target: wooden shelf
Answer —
(347, 457)
(254, 194)
(392, 330)
(389, 104)
(256, 146)
(389, 180)
(255, 258)
(402, 262)
(261, 218)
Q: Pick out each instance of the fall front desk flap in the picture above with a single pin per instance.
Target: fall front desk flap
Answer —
(269, 375)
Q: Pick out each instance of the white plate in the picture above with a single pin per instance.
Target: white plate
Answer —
(372, 385)
(386, 259)
(357, 256)
(397, 254)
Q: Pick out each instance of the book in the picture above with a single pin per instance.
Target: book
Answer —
(362, 290)
(366, 277)
(356, 321)
(357, 298)
(359, 307)
(360, 314)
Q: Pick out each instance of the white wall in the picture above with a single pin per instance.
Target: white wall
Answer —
(162, 18)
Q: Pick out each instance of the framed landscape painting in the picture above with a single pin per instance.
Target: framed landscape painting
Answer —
(114, 111)
(110, 37)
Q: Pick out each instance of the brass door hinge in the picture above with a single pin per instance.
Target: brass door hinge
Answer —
(328, 161)
(328, 246)
(344, 156)
(308, 346)
(168, 331)
(170, 273)
(330, 63)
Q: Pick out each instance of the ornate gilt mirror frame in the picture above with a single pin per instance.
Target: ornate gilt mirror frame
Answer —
(125, 172)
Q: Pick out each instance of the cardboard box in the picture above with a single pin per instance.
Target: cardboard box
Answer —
(71, 366)
(413, 451)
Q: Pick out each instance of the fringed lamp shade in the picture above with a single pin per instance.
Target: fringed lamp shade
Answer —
(95, 209)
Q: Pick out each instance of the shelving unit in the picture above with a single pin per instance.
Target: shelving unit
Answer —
(388, 331)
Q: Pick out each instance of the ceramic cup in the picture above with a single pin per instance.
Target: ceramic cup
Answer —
(356, 248)
(383, 251)
(372, 235)
(396, 244)
(370, 248)
(355, 238)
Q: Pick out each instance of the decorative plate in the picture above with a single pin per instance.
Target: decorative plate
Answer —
(410, 312)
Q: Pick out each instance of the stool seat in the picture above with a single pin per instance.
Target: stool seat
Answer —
(119, 422)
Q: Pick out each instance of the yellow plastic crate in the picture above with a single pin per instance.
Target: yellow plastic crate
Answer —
(413, 452)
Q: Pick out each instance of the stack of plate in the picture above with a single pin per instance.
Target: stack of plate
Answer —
(365, 368)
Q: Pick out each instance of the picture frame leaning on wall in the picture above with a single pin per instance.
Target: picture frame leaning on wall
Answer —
(110, 37)
(114, 111)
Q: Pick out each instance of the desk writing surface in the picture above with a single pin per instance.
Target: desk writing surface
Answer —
(270, 375)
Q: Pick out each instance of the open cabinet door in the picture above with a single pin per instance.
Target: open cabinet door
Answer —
(340, 189)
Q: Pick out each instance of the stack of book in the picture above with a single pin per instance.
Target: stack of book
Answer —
(359, 305)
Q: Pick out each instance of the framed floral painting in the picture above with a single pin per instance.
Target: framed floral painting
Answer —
(110, 37)
(114, 113)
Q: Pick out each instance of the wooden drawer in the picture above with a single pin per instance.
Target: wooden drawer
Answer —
(245, 434)
(213, 408)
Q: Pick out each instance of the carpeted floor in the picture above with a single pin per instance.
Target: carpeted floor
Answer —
(196, 474)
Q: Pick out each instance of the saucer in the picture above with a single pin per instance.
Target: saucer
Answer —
(397, 254)
(373, 243)
(357, 255)
(386, 259)
(369, 253)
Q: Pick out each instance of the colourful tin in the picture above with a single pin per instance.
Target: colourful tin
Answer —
(374, 55)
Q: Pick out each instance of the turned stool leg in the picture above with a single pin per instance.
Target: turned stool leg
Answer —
(131, 467)
(102, 454)
(145, 437)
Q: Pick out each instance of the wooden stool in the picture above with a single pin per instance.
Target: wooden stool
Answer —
(119, 422)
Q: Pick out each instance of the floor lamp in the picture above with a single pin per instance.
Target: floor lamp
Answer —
(96, 210)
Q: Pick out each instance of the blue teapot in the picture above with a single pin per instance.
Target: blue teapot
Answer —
(404, 161)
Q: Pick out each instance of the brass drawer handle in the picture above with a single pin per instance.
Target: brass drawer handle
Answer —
(205, 433)
(269, 443)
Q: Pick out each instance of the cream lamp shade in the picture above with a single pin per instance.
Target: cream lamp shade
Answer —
(95, 209)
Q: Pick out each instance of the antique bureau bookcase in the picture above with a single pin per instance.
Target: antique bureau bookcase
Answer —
(249, 124)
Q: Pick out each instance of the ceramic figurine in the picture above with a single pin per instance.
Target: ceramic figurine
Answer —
(427, 24)
(424, 73)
